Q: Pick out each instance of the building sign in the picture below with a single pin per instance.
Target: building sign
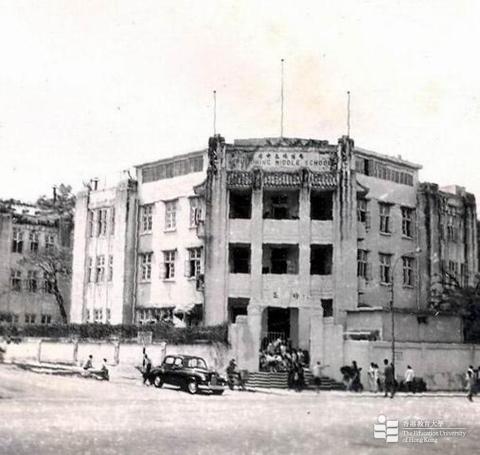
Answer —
(277, 159)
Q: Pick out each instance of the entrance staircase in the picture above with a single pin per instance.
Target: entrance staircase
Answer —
(279, 380)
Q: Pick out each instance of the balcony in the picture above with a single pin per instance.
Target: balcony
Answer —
(239, 284)
(239, 230)
(322, 231)
(280, 231)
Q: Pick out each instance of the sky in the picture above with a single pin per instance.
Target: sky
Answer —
(89, 88)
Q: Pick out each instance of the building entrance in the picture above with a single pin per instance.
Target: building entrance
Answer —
(280, 323)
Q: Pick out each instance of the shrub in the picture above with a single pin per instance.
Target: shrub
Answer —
(160, 332)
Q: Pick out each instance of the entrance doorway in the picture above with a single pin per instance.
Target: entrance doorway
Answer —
(280, 323)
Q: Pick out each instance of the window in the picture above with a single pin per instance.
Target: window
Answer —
(173, 169)
(110, 268)
(452, 272)
(169, 264)
(46, 319)
(47, 283)
(90, 270)
(362, 264)
(146, 214)
(385, 226)
(32, 281)
(321, 259)
(49, 242)
(196, 164)
(16, 280)
(30, 318)
(464, 274)
(452, 230)
(91, 223)
(407, 221)
(363, 216)
(17, 241)
(385, 268)
(237, 307)
(195, 211)
(321, 205)
(108, 315)
(170, 215)
(98, 315)
(102, 221)
(407, 271)
(33, 242)
(193, 267)
(240, 204)
(146, 266)
(327, 306)
(100, 269)
(239, 258)
(280, 259)
(112, 221)
(281, 205)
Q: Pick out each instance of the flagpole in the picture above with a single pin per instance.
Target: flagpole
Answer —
(282, 97)
(348, 114)
(214, 112)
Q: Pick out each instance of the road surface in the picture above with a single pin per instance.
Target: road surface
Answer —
(42, 414)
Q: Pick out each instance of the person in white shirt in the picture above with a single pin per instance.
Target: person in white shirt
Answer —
(409, 375)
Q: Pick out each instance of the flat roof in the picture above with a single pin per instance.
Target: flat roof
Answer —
(171, 158)
(392, 159)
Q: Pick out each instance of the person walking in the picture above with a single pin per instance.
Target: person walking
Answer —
(147, 367)
(371, 377)
(409, 375)
(317, 376)
(389, 378)
(376, 378)
(470, 384)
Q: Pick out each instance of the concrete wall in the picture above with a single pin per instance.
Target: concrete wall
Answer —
(442, 365)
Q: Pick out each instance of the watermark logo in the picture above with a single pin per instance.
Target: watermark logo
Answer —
(386, 429)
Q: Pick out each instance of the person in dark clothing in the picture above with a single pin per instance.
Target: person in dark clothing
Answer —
(389, 375)
(147, 367)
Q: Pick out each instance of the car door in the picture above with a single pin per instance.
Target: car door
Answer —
(167, 367)
(176, 372)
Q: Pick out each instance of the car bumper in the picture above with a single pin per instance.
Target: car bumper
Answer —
(211, 387)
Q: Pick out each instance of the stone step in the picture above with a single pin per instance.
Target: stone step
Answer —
(279, 380)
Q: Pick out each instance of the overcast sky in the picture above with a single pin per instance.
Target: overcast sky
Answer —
(89, 88)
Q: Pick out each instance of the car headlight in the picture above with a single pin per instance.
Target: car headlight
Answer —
(202, 377)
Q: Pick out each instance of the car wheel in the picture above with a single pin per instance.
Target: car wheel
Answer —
(158, 381)
(192, 387)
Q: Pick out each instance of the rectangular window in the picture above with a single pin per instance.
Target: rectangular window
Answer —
(146, 215)
(110, 268)
(193, 267)
(146, 266)
(195, 211)
(237, 306)
(385, 224)
(47, 283)
(407, 221)
(321, 205)
(452, 230)
(17, 241)
(239, 258)
(169, 264)
(280, 259)
(49, 242)
(385, 268)
(16, 280)
(196, 164)
(321, 259)
(90, 274)
(98, 315)
(30, 318)
(363, 216)
(91, 223)
(281, 205)
(408, 277)
(46, 319)
(32, 281)
(240, 204)
(362, 264)
(33, 242)
(102, 215)
(453, 273)
(100, 269)
(327, 306)
(112, 221)
(170, 215)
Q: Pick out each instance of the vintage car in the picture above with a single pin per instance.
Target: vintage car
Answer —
(189, 373)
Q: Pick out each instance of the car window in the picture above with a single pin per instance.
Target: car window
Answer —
(178, 362)
(169, 360)
(196, 363)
